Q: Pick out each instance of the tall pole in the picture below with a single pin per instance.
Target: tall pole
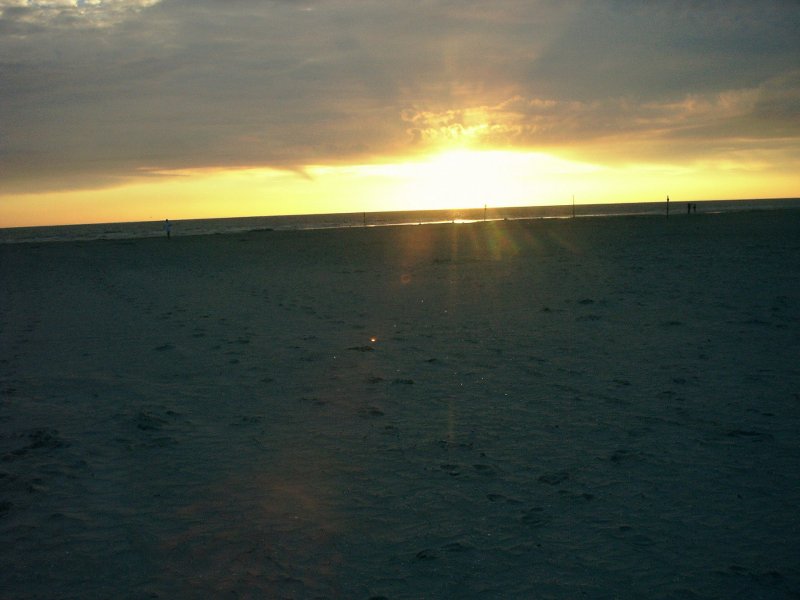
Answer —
(667, 205)
(484, 212)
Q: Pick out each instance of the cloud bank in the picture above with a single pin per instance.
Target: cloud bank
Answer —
(94, 92)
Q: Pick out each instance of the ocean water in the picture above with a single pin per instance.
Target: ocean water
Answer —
(190, 227)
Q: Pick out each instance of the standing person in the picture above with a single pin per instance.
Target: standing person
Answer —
(168, 228)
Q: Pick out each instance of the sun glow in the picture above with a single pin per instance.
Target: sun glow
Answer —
(465, 179)
(455, 178)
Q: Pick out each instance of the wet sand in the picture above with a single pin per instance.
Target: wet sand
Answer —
(594, 408)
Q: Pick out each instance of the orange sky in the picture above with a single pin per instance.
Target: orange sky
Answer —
(460, 179)
(146, 109)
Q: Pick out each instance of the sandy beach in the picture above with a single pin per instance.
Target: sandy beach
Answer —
(588, 408)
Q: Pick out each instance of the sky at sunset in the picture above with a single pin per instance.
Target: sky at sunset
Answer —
(122, 110)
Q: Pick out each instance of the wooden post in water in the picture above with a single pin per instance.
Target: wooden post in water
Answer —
(365, 219)
(573, 206)
(667, 205)
(484, 212)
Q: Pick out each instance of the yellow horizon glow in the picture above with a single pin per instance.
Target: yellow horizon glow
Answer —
(474, 178)
(455, 178)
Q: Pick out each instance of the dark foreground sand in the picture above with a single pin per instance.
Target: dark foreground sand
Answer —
(600, 408)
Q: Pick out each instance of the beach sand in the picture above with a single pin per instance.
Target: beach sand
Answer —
(598, 408)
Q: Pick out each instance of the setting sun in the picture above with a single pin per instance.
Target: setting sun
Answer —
(450, 179)
(474, 178)
(113, 113)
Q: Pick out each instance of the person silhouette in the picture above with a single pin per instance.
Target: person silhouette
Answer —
(167, 228)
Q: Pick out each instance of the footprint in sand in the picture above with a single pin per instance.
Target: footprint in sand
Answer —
(371, 412)
(757, 436)
(619, 455)
(584, 497)
(554, 478)
(38, 439)
(485, 470)
(246, 421)
(457, 547)
(152, 426)
(534, 517)
(149, 422)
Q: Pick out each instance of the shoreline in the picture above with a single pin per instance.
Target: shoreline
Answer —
(183, 228)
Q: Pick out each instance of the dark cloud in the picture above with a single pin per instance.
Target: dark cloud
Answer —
(120, 89)
(671, 48)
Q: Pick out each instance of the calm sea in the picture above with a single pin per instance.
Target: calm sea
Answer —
(142, 229)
